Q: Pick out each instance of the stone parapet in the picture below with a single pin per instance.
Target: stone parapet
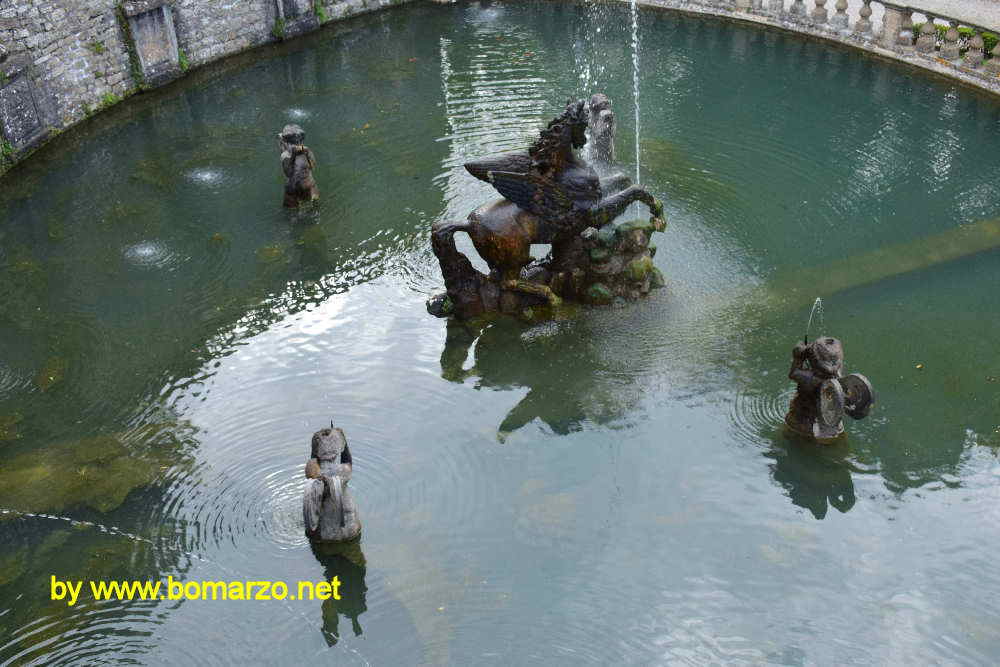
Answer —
(957, 38)
(62, 60)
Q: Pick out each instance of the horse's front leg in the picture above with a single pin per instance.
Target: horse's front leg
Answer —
(613, 206)
(537, 289)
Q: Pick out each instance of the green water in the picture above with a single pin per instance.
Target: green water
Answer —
(612, 487)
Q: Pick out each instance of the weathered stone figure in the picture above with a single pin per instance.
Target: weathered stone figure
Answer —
(328, 508)
(550, 196)
(823, 395)
(298, 162)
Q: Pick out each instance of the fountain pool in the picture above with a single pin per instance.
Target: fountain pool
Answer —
(609, 487)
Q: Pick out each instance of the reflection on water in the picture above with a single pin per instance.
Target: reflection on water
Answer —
(169, 339)
(814, 478)
(506, 355)
(346, 563)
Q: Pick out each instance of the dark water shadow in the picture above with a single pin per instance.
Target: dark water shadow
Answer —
(568, 380)
(815, 477)
(345, 562)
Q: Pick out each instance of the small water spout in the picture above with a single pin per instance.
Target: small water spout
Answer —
(817, 308)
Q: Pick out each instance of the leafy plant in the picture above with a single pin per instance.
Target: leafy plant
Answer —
(989, 38)
(98, 47)
(182, 60)
(320, 12)
(109, 99)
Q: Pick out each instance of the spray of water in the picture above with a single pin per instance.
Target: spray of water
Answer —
(635, 81)
(817, 308)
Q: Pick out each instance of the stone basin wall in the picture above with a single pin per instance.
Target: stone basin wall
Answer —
(62, 60)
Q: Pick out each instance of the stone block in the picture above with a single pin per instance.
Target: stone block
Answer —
(22, 109)
(298, 17)
(152, 26)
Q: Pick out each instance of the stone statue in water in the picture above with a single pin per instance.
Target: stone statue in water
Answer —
(550, 196)
(297, 162)
(328, 508)
(823, 394)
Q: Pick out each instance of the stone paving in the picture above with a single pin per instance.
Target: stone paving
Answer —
(981, 13)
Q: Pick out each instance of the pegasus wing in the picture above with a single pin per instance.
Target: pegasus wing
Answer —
(533, 193)
(514, 162)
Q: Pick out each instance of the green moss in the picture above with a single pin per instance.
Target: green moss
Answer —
(638, 269)
(133, 56)
(182, 60)
(320, 12)
(97, 47)
(630, 226)
(599, 294)
(656, 279)
(109, 99)
(278, 31)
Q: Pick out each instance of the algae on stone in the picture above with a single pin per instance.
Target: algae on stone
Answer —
(96, 472)
(599, 294)
(638, 269)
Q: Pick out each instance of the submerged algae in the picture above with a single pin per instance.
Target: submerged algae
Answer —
(8, 426)
(51, 374)
(97, 472)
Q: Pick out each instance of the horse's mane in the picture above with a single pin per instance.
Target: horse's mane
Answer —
(557, 134)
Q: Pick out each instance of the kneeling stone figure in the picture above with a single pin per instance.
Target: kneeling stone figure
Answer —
(823, 393)
(297, 163)
(328, 508)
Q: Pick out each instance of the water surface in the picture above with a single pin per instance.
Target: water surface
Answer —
(609, 487)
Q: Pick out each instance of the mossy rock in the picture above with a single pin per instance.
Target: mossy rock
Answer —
(638, 269)
(630, 226)
(656, 279)
(607, 235)
(599, 255)
(599, 294)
